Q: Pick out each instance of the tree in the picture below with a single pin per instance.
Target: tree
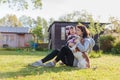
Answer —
(22, 4)
(51, 20)
(30, 22)
(44, 24)
(10, 20)
(79, 16)
(27, 21)
(37, 32)
(2, 20)
(45, 30)
(116, 24)
(83, 16)
(95, 30)
(92, 27)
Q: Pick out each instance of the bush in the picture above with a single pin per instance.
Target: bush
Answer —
(41, 49)
(106, 43)
(116, 48)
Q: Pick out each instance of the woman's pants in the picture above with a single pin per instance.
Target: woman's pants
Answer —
(65, 55)
(50, 56)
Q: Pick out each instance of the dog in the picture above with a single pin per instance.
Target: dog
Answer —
(83, 60)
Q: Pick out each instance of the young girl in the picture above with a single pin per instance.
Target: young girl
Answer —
(71, 34)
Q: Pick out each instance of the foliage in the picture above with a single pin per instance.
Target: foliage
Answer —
(95, 30)
(116, 24)
(106, 42)
(22, 4)
(42, 47)
(116, 48)
(27, 21)
(44, 24)
(37, 31)
(92, 27)
(30, 22)
(10, 20)
(51, 20)
(79, 16)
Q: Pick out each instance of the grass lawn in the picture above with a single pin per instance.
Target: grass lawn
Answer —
(14, 66)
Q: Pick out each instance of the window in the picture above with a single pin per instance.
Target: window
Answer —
(62, 33)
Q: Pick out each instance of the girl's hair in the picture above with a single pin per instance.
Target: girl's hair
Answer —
(85, 31)
(68, 28)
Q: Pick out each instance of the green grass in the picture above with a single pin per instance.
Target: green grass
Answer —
(14, 66)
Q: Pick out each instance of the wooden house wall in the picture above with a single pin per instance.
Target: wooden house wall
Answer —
(53, 36)
(14, 40)
(58, 41)
(9, 39)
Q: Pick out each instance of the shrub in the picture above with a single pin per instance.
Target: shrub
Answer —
(116, 48)
(106, 43)
(41, 49)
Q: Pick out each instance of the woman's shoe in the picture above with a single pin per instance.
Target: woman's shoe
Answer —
(49, 64)
(37, 64)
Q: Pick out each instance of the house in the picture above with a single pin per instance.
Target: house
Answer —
(14, 37)
(57, 33)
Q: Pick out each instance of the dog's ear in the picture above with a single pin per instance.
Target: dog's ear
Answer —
(77, 49)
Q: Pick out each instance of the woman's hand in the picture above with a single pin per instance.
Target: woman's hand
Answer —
(76, 40)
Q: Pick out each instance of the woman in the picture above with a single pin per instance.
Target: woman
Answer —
(84, 46)
(66, 54)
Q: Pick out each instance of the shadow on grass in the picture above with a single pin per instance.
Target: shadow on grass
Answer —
(28, 70)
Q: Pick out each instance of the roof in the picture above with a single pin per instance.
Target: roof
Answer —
(14, 29)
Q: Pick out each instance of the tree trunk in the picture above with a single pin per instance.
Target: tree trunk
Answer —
(98, 42)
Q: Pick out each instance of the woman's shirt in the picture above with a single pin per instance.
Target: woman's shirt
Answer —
(87, 46)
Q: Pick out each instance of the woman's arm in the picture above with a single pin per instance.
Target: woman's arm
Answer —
(83, 47)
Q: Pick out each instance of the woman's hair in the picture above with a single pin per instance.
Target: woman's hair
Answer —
(84, 30)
